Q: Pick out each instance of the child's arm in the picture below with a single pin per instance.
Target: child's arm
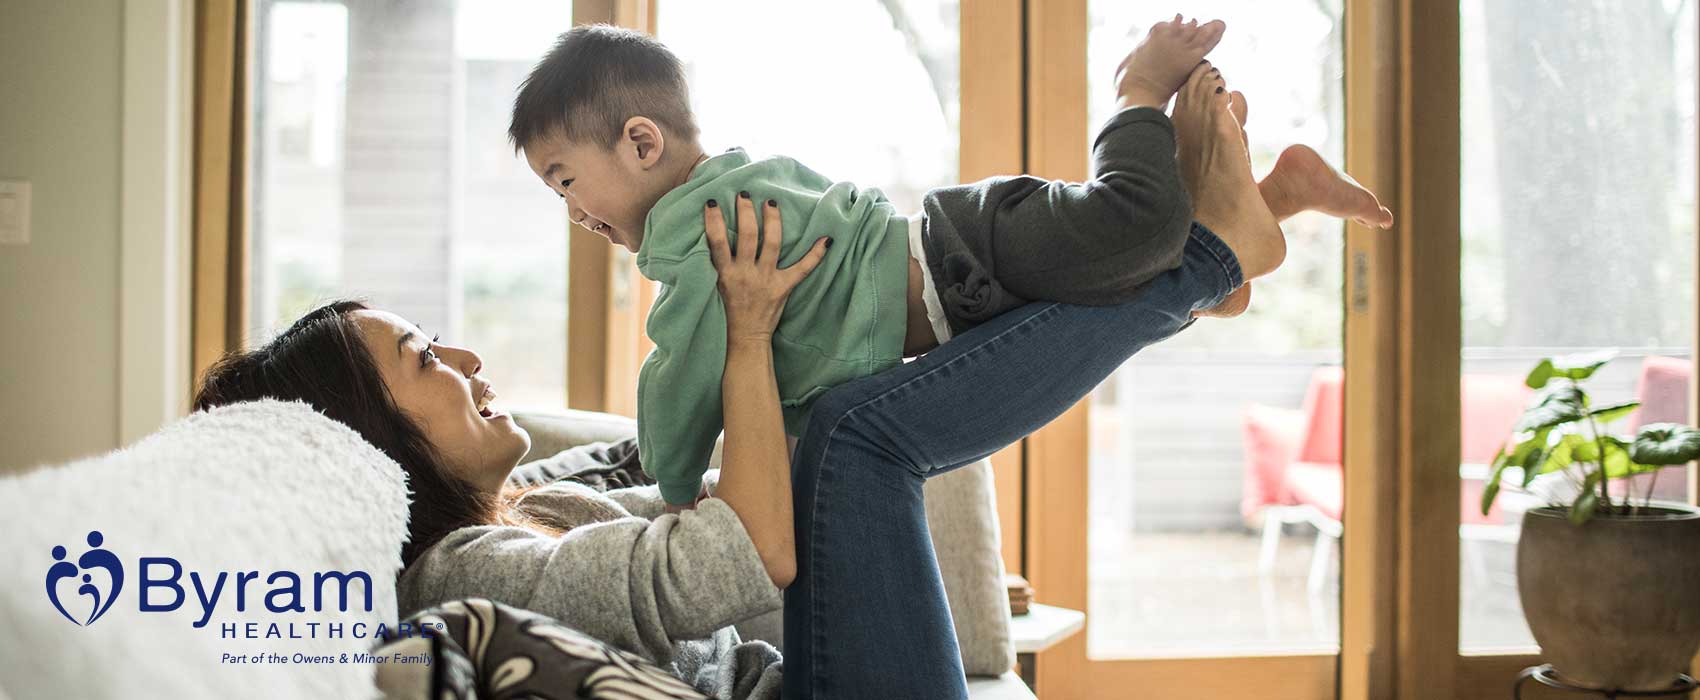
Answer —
(679, 413)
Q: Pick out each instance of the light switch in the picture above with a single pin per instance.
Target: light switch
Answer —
(14, 212)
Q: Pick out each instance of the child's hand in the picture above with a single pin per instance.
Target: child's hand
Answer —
(753, 287)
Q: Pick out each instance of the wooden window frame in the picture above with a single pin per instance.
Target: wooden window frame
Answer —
(607, 300)
(223, 54)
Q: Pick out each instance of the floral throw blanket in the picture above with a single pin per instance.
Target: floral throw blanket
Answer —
(482, 649)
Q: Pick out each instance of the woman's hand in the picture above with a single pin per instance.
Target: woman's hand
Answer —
(753, 287)
(755, 469)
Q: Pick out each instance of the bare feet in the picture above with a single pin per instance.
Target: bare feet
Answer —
(1150, 75)
(1302, 181)
(1216, 169)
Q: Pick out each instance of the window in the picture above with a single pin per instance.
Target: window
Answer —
(1578, 234)
(382, 170)
(863, 91)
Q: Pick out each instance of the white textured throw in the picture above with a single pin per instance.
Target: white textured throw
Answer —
(265, 486)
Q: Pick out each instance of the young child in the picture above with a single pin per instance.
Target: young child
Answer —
(605, 120)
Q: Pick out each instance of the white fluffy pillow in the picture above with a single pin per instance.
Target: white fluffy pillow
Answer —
(264, 486)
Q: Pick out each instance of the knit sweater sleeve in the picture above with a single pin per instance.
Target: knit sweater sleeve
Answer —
(634, 583)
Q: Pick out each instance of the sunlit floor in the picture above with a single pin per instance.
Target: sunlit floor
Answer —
(1182, 594)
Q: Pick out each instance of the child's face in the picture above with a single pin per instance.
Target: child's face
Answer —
(608, 191)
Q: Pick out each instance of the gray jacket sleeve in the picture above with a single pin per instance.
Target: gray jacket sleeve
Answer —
(634, 583)
(1005, 241)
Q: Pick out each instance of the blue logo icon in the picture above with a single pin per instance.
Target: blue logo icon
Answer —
(95, 558)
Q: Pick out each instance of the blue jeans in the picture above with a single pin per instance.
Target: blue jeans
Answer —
(866, 616)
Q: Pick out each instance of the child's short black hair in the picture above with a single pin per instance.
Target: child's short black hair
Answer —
(593, 80)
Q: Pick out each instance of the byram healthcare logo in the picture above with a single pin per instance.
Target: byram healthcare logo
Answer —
(160, 587)
(95, 558)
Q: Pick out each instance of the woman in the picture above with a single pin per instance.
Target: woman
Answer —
(865, 614)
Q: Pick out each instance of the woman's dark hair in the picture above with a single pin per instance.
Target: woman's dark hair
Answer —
(322, 361)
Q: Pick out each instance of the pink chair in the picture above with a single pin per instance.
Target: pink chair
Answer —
(1294, 474)
(1663, 393)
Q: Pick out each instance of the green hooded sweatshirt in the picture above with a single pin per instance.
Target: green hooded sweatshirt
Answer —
(845, 320)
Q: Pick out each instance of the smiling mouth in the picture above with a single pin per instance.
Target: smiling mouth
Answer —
(483, 404)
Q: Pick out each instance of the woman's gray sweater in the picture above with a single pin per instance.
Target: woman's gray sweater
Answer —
(667, 587)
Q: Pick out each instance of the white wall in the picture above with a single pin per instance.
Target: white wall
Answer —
(75, 379)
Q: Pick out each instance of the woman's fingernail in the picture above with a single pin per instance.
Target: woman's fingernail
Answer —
(712, 204)
(829, 242)
(745, 195)
(1219, 89)
(773, 204)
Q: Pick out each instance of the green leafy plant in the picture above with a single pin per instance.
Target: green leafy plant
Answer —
(1562, 431)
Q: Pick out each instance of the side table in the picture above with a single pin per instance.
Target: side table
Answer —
(1043, 627)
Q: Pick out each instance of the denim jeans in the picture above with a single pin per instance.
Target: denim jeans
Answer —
(866, 616)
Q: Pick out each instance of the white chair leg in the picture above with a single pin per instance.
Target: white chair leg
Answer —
(1319, 560)
(1271, 542)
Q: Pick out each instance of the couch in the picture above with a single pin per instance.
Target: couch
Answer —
(271, 486)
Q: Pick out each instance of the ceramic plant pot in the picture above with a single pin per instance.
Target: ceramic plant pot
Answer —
(1614, 603)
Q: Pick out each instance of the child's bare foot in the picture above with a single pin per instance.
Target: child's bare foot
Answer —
(1216, 169)
(1302, 181)
(1150, 75)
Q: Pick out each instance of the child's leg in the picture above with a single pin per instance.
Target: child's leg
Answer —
(1003, 242)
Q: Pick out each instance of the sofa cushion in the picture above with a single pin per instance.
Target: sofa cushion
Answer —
(264, 486)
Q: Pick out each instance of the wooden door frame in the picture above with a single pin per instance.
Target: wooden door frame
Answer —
(606, 299)
(1429, 328)
(1372, 280)
(992, 141)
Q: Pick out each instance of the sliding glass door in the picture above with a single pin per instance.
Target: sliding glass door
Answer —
(1215, 459)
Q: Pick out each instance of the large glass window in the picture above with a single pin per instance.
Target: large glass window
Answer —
(868, 93)
(382, 170)
(1216, 476)
(1578, 235)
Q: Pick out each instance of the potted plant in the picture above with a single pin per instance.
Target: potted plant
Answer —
(1610, 585)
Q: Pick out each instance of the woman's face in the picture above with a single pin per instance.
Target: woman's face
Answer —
(438, 387)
